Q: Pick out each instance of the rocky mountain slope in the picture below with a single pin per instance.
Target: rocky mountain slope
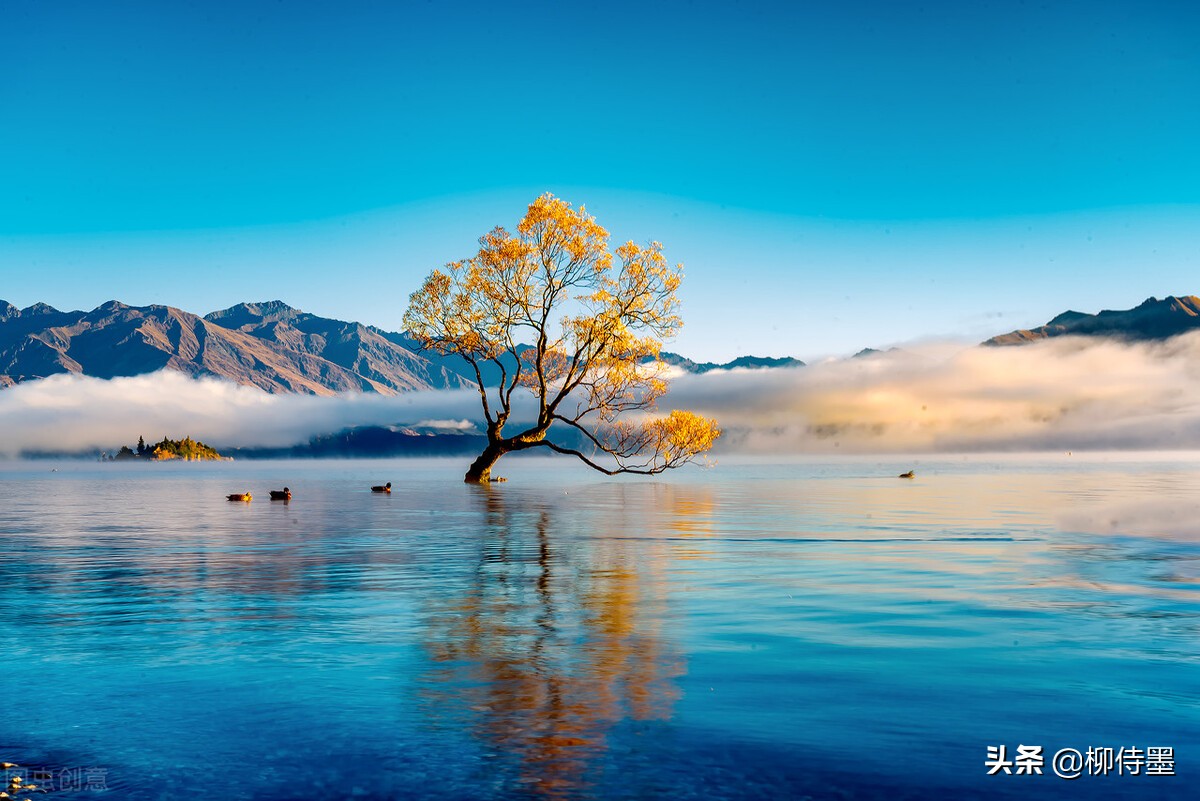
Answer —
(1153, 319)
(270, 346)
(281, 349)
(382, 358)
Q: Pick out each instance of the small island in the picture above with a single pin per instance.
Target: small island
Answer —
(187, 449)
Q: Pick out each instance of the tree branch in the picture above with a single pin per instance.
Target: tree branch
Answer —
(653, 471)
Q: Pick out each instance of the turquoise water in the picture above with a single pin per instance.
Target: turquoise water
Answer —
(817, 629)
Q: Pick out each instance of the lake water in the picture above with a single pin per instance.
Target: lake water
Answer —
(817, 629)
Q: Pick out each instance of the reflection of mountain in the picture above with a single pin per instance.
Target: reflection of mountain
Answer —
(547, 649)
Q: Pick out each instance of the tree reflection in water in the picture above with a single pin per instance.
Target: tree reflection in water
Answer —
(554, 641)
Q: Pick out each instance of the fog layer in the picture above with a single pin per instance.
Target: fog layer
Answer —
(1059, 394)
(1065, 393)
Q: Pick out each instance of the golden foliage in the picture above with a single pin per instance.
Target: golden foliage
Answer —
(593, 322)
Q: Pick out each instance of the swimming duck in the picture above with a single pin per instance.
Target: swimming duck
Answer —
(285, 495)
(239, 496)
(385, 488)
(909, 474)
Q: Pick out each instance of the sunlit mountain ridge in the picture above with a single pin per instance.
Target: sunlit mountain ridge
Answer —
(1151, 320)
(269, 345)
(282, 350)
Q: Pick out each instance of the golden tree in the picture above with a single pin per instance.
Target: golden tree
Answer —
(548, 314)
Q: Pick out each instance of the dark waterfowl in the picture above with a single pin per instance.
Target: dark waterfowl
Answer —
(239, 496)
(909, 474)
(284, 495)
(385, 488)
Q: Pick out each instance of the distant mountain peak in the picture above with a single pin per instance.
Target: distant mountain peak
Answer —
(1152, 319)
(242, 314)
(269, 344)
(1068, 316)
(745, 362)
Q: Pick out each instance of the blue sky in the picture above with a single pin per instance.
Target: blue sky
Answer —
(833, 175)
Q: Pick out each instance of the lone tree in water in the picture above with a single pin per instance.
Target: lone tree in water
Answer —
(547, 311)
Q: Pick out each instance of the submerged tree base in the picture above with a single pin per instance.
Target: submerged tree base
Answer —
(480, 471)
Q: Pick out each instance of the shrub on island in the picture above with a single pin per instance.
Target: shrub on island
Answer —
(187, 449)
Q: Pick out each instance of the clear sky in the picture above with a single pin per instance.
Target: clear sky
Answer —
(833, 175)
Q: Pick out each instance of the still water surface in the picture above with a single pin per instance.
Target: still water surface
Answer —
(816, 629)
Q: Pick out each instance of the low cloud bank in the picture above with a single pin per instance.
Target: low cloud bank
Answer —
(1058, 394)
(71, 413)
(1061, 394)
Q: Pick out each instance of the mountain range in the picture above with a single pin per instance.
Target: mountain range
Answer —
(1152, 319)
(747, 362)
(281, 349)
(269, 345)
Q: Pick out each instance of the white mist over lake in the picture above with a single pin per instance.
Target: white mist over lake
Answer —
(1057, 394)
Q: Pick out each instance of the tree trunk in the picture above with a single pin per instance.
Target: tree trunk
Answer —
(480, 471)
